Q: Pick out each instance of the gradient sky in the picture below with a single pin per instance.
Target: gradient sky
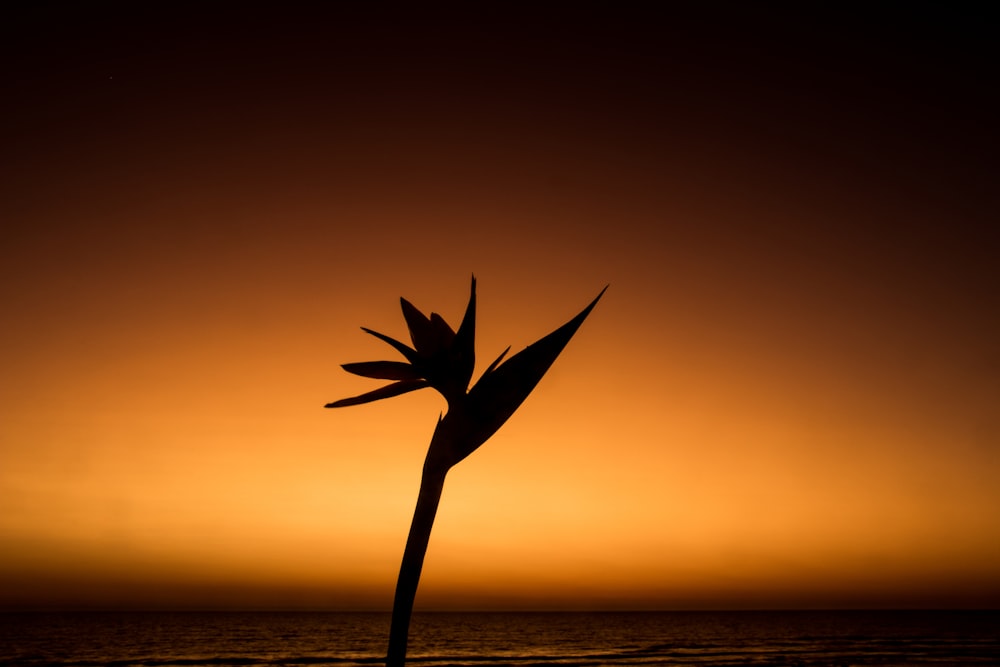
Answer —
(788, 397)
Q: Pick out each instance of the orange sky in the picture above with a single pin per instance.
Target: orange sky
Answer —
(787, 397)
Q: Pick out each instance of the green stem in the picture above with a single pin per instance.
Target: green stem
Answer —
(431, 485)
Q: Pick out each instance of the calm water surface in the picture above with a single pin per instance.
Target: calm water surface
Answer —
(707, 639)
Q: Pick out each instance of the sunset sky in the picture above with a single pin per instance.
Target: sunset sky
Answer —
(788, 397)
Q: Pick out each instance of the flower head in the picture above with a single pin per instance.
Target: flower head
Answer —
(440, 358)
(443, 359)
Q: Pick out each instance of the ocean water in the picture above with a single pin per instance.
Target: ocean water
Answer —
(706, 639)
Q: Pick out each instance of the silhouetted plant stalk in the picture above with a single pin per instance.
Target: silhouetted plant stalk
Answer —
(444, 360)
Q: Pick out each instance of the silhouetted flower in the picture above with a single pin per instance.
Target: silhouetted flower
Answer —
(440, 357)
(443, 359)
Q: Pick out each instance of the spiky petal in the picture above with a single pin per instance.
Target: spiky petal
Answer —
(404, 349)
(388, 391)
(496, 362)
(383, 370)
(428, 339)
(464, 345)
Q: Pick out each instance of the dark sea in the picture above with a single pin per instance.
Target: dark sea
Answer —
(707, 639)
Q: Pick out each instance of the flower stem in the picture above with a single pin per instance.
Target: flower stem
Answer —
(431, 485)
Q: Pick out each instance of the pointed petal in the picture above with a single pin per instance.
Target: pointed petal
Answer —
(383, 370)
(464, 344)
(423, 333)
(498, 394)
(408, 352)
(383, 392)
(442, 329)
(495, 362)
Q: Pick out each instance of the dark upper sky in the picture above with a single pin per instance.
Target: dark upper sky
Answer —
(877, 104)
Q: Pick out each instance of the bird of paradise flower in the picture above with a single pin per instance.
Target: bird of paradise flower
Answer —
(443, 359)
